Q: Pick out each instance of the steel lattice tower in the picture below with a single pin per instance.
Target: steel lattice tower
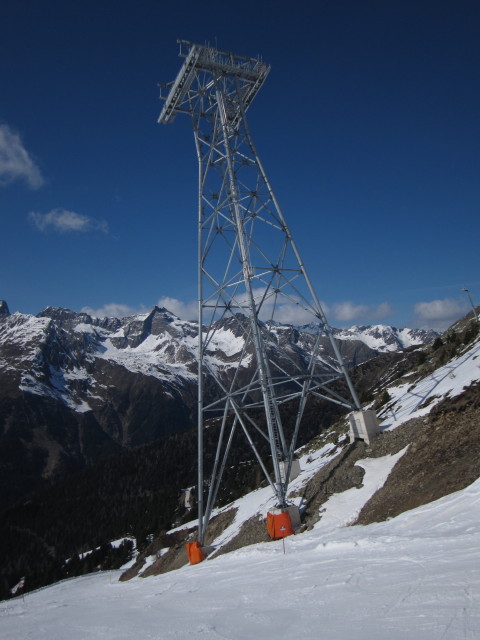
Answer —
(249, 271)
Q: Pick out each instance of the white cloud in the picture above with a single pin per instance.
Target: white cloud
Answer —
(295, 314)
(288, 311)
(184, 310)
(350, 312)
(113, 310)
(65, 221)
(15, 161)
(381, 311)
(439, 314)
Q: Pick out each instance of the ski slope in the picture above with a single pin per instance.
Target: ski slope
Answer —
(413, 577)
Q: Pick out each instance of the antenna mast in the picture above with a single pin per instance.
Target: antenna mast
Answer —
(250, 277)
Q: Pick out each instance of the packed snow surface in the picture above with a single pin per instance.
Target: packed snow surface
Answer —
(415, 576)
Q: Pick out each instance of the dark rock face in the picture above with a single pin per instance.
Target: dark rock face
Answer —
(4, 311)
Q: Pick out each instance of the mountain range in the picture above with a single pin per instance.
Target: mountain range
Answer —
(76, 388)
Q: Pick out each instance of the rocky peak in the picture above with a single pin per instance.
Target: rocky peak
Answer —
(161, 320)
(238, 324)
(65, 317)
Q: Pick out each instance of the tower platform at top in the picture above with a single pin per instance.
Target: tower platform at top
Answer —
(251, 72)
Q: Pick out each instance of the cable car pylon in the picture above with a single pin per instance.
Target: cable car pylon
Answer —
(250, 278)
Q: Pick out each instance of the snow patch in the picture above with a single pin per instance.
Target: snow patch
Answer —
(342, 509)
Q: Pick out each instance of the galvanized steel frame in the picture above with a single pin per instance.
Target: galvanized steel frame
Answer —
(249, 270)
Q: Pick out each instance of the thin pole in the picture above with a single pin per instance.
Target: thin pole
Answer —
(471, 302)
(200, 347)
(264, 373)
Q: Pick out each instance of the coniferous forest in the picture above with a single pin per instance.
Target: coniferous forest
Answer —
(65, 529)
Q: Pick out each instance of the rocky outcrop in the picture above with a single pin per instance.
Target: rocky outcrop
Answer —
(442, 458)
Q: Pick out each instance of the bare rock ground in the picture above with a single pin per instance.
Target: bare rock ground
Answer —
(443, 457)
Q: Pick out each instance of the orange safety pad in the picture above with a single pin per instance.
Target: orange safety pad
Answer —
(195, 553)
(279, 525)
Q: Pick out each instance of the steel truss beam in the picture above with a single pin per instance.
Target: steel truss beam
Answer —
(250, 277)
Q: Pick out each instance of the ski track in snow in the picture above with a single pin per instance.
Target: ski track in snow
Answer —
(413, 577)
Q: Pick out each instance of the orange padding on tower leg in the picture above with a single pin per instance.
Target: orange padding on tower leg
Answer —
(279, 525)
(195, 553)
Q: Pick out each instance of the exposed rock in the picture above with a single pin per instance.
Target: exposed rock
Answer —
(252, 531)
(174, 558)
(442, 458)
(174, 543)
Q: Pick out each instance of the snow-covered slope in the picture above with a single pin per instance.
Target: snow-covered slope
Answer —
(413, 399)
(412, 576)
(415, 576)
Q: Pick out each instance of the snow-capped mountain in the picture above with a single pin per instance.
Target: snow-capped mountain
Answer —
(57, 352)
(384, 338)
(64, 355)
(75, 388)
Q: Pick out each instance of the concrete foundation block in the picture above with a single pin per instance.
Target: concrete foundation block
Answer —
(363, 425)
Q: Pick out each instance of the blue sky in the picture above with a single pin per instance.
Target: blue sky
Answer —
(368, 126)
